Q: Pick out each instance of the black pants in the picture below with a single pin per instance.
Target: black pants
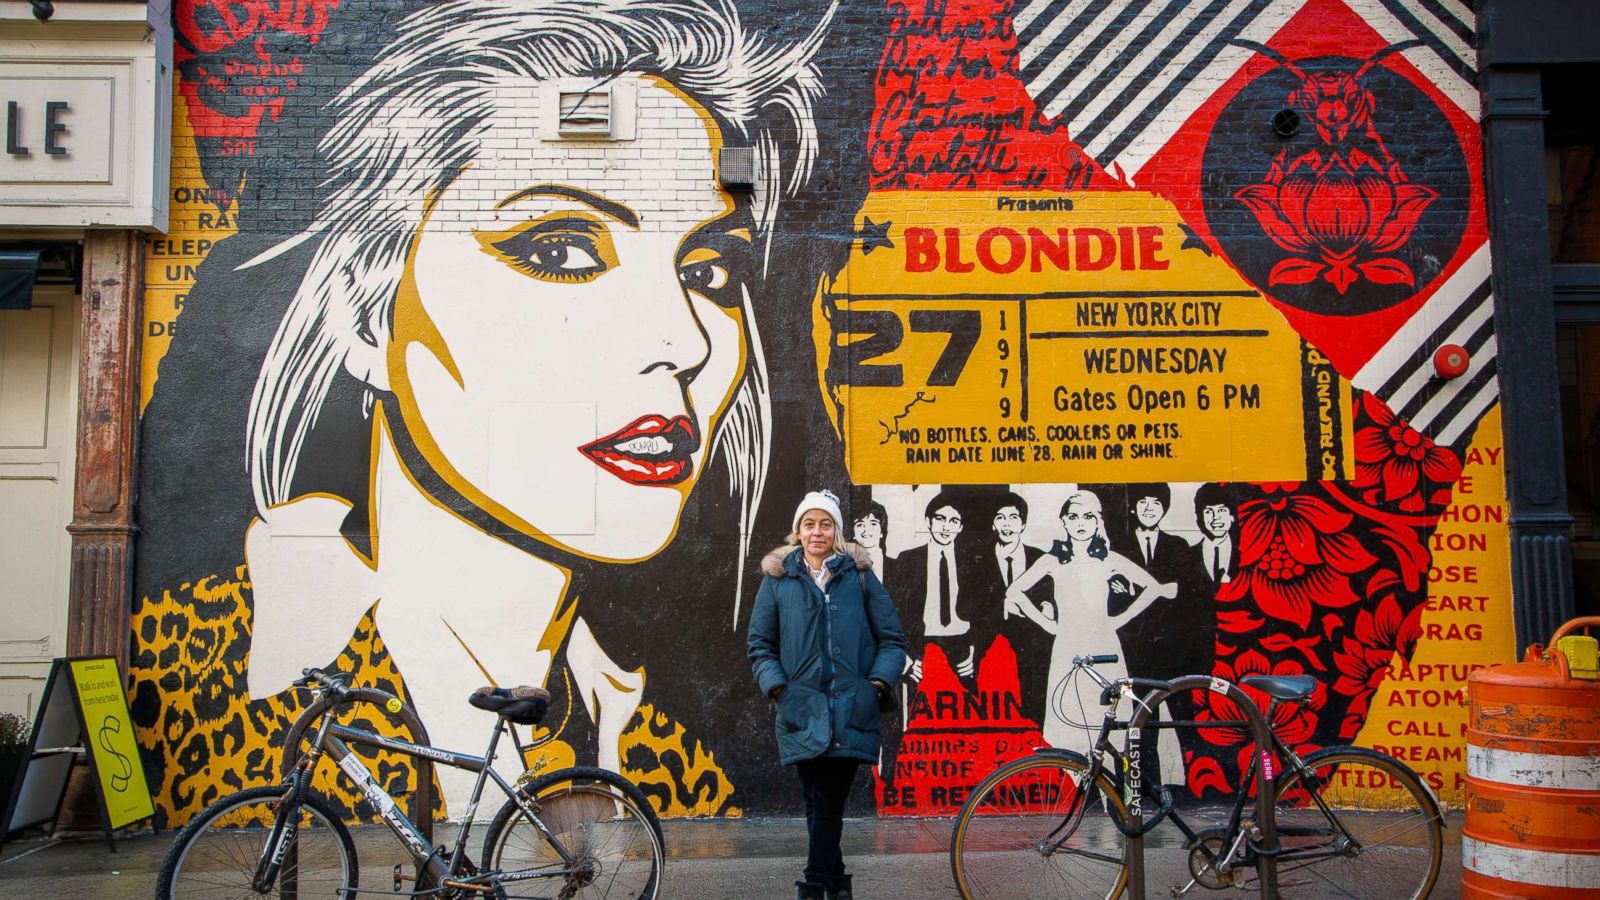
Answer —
(826, 782)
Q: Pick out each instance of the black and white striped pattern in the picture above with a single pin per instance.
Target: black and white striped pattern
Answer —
(1401, 374)
(1126, 74)
(1110, 67)
(1446, 27)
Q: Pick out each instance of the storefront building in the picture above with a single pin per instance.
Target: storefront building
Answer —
(1540, 64)
(494, 342)
(86, 92)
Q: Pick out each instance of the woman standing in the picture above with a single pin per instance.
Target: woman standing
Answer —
(1084, 570)
(827, 648)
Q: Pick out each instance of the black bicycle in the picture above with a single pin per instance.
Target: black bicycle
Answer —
(1342, 821)
(574, 832)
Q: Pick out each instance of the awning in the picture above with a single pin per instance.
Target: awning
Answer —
(18, 268)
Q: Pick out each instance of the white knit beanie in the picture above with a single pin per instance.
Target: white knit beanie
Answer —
(823, 500)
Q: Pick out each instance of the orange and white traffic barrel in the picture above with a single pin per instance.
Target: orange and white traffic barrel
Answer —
(1533, 774)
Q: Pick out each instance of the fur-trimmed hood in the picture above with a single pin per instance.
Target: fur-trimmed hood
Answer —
(776, 562)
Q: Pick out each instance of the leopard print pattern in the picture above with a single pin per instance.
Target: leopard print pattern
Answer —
(679, 775)
(202, 737)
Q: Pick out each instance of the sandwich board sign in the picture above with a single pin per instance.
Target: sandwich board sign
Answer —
(83, 713)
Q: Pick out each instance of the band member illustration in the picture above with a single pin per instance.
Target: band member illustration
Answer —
(1157, 550)
(1170, 639)
(870, 530)
(937, 608)
(1214, 509)
(1175, 638)
(1085, 571)
(996, 567)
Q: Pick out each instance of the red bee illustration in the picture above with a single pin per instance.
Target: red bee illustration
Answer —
(1342, 208)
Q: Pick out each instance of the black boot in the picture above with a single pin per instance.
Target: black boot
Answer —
(811, 890)
(841, 889)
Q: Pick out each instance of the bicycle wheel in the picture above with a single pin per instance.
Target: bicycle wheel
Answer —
(1357, 824)
(999, 845)
(215, 855)
(600, 818)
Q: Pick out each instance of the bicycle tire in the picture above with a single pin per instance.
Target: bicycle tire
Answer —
(215, 854)
(587, 809)
(1382, 804)
(996, 853)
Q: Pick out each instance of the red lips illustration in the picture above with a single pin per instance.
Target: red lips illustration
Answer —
(651, 450)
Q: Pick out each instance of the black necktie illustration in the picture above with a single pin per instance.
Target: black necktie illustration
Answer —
(1149, 549)
(1216, 563)
(1010, 574)
(944, 592)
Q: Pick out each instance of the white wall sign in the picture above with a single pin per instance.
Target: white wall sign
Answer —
(85, 120)
(60, 130)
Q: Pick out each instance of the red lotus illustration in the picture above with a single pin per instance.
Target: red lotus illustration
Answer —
(1345, 207)
(1341, 215)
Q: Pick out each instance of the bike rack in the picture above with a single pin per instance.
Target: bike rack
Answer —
(1261, 732)
(422, 809)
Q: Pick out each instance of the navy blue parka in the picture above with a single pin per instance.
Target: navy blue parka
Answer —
(826, 646)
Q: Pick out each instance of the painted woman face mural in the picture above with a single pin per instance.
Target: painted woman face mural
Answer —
(553, 347)
(508, 318)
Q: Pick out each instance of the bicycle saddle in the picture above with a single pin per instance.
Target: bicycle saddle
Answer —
(1282, 687)
(523, 704)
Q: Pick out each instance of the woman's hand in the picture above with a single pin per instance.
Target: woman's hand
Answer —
(777, 692)
(1018, 604)
(967, 666)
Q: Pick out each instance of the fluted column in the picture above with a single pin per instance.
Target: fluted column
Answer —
(100, 597)
(1524, 312)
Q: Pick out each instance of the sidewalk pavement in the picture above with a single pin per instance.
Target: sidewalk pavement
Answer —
(709, 859)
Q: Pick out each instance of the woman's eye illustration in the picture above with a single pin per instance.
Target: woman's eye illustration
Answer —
(567, 250)
(705, 271)
(703, 277)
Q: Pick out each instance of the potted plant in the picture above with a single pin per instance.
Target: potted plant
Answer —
(14, 743)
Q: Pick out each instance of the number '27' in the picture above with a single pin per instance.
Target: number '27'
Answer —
(884, 334)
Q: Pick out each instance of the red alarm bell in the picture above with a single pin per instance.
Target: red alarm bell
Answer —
(1451, 361)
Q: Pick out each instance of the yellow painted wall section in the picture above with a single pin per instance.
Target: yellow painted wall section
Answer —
(197, 223)
(1419, 713)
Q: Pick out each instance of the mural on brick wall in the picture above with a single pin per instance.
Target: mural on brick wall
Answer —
(1113, 325)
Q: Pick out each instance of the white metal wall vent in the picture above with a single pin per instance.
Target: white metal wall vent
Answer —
(581, 110)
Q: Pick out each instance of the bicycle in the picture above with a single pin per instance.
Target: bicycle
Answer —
(585, 832)
(1076, 824)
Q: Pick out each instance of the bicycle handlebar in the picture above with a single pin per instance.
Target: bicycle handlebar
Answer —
(1101, 659)
(337, 682)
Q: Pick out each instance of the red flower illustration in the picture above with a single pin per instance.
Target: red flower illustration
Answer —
(1205, 774)
(1295, 552)
(1395, 462)
(1295, 723)
(1341, 213)
(1363, 658)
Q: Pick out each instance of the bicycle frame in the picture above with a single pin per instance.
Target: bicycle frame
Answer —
(1129, 774)
(333, 740)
